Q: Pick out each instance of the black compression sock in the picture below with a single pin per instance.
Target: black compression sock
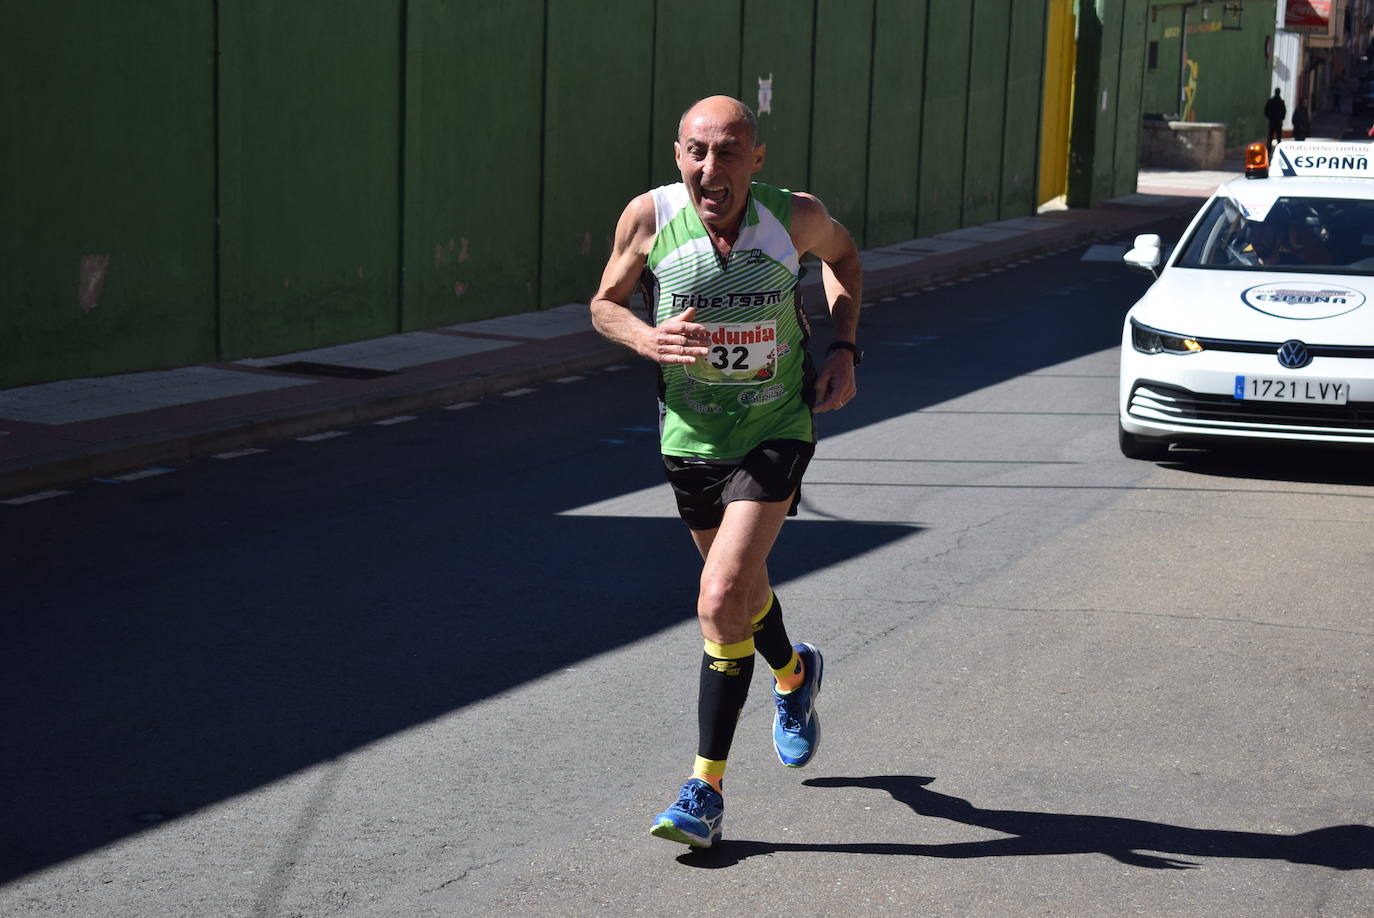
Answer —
(725, 674)
(770, 637)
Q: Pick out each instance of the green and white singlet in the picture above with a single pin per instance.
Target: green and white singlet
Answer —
(755, 383)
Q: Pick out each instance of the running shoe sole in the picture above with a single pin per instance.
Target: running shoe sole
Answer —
(669, 831)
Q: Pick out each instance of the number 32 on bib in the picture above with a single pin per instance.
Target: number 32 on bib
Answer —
(741, 353)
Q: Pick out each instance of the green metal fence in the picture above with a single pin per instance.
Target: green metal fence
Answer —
(199, 180)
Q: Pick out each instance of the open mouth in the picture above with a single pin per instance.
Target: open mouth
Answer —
(716, 194)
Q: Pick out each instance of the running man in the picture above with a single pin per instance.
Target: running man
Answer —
(719, 259)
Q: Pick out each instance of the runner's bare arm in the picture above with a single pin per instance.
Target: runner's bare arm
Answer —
(815, 231)
(678, 339)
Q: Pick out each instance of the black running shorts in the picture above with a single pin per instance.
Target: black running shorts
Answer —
(771, 472)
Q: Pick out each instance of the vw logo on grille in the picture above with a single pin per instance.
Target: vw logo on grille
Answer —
(1294, 355)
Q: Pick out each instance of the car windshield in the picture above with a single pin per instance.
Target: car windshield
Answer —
(1319, 235)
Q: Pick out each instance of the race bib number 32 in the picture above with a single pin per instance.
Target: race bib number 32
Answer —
(741, 353)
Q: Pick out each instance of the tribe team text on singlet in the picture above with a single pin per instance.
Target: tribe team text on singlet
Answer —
(751, 386)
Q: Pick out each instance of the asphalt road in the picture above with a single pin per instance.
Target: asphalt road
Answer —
(447, 666)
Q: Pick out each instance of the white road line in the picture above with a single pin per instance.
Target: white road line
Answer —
(399, 419)
(515, 393)
(327, 435)
(459, 406)
(135, 476)
(239, 453)
(31, 498)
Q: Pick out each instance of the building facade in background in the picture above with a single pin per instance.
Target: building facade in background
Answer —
(1219, 60)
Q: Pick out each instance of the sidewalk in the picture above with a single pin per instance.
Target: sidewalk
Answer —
(60, 433)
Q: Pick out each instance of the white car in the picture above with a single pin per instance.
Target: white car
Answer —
(1259, 327)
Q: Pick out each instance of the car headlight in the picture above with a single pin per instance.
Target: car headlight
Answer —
(1153, 341)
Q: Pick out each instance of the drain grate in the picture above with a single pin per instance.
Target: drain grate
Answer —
(334, 371)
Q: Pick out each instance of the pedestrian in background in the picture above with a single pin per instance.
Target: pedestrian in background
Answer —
(1274, 112)
(1302, 125)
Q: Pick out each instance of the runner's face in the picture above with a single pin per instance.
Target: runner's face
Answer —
(717, 157)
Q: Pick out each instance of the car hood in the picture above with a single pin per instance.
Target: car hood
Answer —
(1261, 306)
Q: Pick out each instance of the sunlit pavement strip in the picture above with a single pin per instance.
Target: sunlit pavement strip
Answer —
(239, 453)
(546, 323)
(327, 435)
(399, 419)
(31, 498)
(393, 352)
(136, 476)
(72, 400)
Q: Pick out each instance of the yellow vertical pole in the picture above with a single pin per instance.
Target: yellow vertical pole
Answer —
(1057, 105)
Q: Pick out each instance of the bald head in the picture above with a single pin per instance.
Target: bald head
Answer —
(722, 110)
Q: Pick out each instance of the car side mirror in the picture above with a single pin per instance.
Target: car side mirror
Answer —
(1144, 254)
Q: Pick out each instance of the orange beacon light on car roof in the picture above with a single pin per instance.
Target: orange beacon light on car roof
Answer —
(1257, 160)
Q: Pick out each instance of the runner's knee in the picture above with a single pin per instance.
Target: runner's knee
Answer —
(724, 605)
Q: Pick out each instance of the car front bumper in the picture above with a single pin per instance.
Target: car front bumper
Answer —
(1184, 397)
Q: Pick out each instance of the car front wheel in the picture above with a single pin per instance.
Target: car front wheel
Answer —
(1146, 448)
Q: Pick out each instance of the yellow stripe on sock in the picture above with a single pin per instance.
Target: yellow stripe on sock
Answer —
(736, 651)
(764, 614)
(789, 674)
(711, 768)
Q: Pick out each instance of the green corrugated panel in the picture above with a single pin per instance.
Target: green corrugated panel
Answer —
(686, 69)
(107, 198)
(943, 118)
(1021, 141)
(988, 115)
(839, 124)
(1083, 139)
(895, 135)
(474, 104)
(1128, 96)
(1107, 104)
(777, 66)
(310, 102)
(596, 140)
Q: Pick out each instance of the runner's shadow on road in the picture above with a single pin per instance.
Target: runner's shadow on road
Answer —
(1348, 847)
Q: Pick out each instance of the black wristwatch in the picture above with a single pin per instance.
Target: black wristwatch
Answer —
(847, 346)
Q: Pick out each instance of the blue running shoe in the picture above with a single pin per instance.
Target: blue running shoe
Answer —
(696, 817)
(797, 729)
